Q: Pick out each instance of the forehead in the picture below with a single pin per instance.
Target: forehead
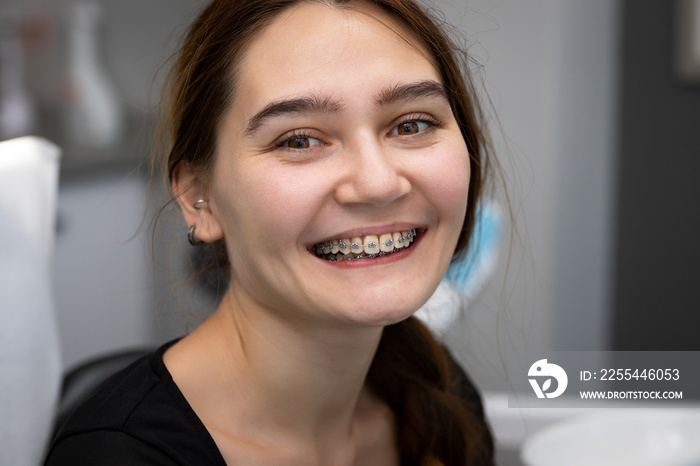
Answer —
(316, 48)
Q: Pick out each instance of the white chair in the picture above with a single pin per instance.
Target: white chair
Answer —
(30, 363)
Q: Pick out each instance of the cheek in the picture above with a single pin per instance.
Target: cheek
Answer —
(263, 201)
(446, 177)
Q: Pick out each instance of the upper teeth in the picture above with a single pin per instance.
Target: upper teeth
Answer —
(370, 244)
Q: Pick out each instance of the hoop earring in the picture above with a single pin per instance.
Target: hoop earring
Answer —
(194, 241)
(198, 204)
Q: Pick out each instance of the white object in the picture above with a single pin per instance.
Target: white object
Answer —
(624, 437)
(30, 363)
(94, 113)
(465, 279)
(17, 115)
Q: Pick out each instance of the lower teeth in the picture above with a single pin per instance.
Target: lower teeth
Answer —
(354, 257)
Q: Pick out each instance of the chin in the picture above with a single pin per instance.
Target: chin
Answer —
(381, 316)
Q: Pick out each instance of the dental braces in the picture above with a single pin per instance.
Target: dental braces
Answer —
(362, 255)
(365, 256)
(357, 246)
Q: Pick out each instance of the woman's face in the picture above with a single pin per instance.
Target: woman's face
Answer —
(339, 133)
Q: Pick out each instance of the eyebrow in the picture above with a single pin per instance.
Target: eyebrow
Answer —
(412, 91)
(320, 104)
(302, 105)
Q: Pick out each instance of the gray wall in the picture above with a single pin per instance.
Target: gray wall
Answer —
(657, 275)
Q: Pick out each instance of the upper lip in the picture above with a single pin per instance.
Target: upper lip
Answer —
(373, 230)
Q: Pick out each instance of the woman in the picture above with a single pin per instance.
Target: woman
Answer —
(333, 151)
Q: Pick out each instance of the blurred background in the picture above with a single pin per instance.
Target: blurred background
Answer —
(595, 113)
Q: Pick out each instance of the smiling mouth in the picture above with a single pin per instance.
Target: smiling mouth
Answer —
(368, 247)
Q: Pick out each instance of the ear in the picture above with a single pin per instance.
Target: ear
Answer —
(188, 188)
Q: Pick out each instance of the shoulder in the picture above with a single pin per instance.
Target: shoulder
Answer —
(104, 448)
(138, 411)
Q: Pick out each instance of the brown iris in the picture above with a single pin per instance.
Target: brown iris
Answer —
(299, 143)
(408, 128)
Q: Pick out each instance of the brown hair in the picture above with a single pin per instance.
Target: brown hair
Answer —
(411, 372)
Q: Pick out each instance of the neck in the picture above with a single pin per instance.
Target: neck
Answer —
(289, 376)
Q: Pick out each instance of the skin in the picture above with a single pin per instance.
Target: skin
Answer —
(277, 373)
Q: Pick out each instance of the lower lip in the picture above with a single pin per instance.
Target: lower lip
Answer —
(388, 259)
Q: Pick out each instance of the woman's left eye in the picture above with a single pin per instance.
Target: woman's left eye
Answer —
(409, 128)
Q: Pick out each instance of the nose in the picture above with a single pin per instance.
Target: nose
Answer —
(371, 176)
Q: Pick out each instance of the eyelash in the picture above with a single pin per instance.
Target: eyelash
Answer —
(417, 118)
(296, 134)
(303, 134)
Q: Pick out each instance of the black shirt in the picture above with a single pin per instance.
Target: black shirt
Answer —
(139, 416)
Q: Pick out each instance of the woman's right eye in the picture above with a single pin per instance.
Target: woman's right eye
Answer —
(299, 141)
(302, 143)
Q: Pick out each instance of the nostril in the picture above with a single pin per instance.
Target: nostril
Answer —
(372, 175)
(375, 190)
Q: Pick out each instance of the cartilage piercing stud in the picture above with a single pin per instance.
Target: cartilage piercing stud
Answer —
(198, 204)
